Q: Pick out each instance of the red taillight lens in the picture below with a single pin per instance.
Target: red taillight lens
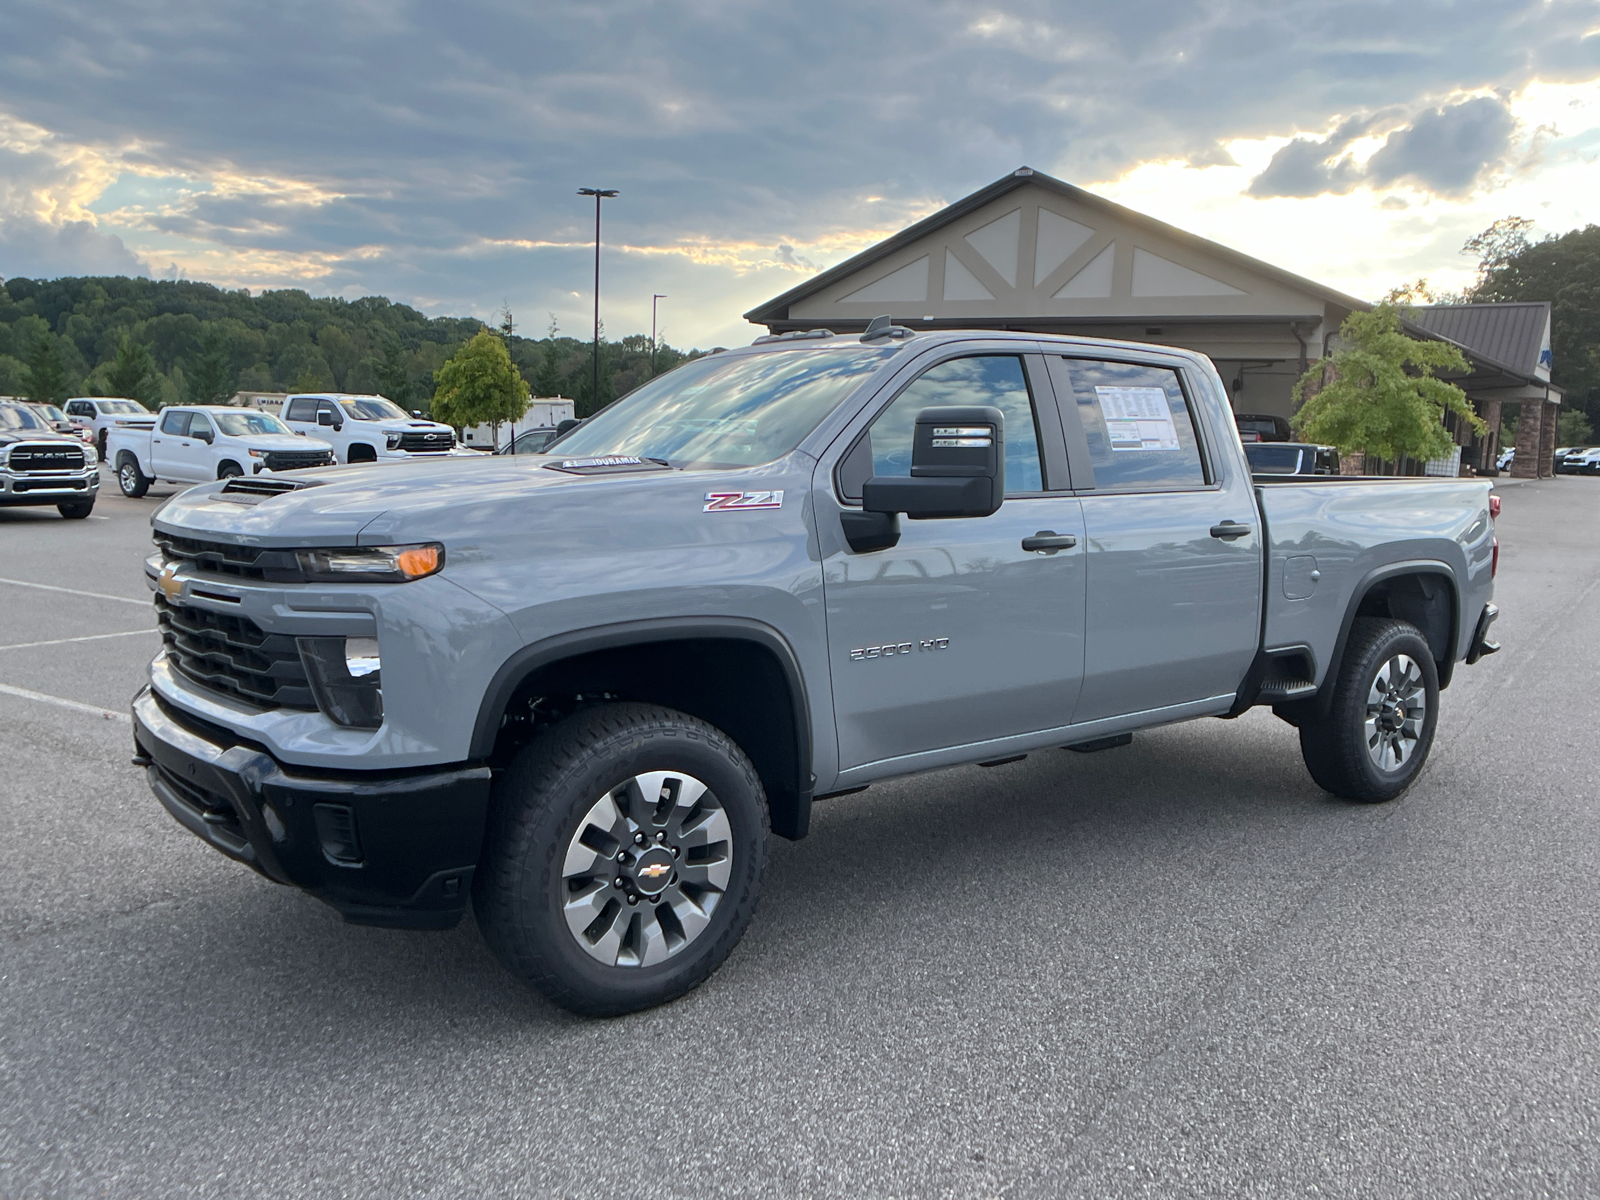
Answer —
(1494, 506)
(1494, 561)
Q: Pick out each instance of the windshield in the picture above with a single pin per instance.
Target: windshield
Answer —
(50, 412)
(14, 416)
(117, 408)
(373, 408)
(735, 411)
(241, 424)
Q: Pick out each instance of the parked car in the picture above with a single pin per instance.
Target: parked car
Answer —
(579, 689)
(1503, 463)
(100, 414)
(1259, 427)
(59, 421)
(532, 441)
(366, 428)
(196, 443)
(39, 466)
(1586, 462)
(1562, 454)
(1291, 458)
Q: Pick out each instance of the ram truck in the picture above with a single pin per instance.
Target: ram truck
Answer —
(578, 690)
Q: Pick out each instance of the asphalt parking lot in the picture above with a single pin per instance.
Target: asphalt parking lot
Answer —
(1174, 969)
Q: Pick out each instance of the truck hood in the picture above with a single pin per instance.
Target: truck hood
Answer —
(12, 436)
(396, 425)
(282, 441)
(445, 499)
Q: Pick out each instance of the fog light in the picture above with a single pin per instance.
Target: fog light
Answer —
(345, 679)
(336, 830)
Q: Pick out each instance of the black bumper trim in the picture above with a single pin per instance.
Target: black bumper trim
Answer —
(1481, 645)
(421, 831)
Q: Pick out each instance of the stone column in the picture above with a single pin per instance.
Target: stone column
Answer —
(1547, 440)
(1530, 432)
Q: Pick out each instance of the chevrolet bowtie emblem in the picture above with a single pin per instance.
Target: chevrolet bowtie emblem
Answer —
(654, 870)
(169, 583)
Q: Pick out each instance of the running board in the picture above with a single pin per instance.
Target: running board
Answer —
(1105, 743)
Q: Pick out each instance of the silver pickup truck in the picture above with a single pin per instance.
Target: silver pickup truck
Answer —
(579, 688)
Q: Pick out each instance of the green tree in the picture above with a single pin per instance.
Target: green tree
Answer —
(393, 371)
(47, 377)
(210, 377)
(479, 385)
(1378, 395)
(1572, 428)
(132, 372)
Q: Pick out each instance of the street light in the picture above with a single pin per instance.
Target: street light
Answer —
(598, 194)
(653, 299)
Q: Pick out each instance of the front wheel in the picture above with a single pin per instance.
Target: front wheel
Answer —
(76, 511)
(133, 482)
(624, 858)
(1379, 728)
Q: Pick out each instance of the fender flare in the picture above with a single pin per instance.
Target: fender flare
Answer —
(1417, 566)
(791, 815)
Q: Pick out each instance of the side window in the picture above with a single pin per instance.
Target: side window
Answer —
(79, 409)
(199, 425)
(302, 409)
(996, 379)
(1137, 422)
(176, 422)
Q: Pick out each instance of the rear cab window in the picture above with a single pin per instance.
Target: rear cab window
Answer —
(176, 422)
(302, 409)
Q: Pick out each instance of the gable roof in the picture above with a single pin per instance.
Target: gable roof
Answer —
(777, 308)
(1509, 335)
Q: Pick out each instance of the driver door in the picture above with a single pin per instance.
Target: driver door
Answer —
(957, 635)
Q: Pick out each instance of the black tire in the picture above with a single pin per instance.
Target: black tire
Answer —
(543, 802)
(133, 482)
(1340, 750)
(100, 444)
(77, 511)
(229, 470)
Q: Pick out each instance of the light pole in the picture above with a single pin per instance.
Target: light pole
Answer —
(653, 299)
(598, 194)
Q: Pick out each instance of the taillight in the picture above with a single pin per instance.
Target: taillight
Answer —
(1494, 560)
(1494, 506)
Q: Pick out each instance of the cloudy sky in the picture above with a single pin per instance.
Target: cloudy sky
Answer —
(431, 152)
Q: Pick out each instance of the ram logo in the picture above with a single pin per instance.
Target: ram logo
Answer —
(728, 501)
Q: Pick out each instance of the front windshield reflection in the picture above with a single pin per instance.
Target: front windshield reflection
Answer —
(736, 411)
(242, 424)
(373, 408)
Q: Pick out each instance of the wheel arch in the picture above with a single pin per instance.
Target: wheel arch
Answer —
(225, 464)
(1421, 591)
(740, 675)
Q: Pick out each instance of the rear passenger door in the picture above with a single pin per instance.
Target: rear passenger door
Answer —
(1174, 539)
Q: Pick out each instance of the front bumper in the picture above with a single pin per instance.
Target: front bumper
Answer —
(384, 848)
(65, 487)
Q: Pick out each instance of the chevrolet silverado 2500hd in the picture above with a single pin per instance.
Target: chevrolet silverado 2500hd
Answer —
(578, 688)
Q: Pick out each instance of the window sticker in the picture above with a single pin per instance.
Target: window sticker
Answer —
(1137, 418)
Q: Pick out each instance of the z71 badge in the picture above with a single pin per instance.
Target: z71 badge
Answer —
(728, 501)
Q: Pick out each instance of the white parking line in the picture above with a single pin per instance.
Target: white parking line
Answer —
(88, 637)
(103, 713)
(50, 587)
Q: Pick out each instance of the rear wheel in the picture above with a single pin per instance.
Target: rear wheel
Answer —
(77, 511)
(133, 482)
(624, 858)
(1379, 728)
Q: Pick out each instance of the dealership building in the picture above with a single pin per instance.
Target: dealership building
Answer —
(1035, 254)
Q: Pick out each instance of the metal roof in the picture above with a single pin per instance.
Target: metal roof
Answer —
(777, 308)
(1510, 334)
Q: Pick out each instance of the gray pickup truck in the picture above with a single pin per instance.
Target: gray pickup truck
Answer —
(580, 688)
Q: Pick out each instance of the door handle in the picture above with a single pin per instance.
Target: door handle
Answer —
(1229, 530)
(1048, 541)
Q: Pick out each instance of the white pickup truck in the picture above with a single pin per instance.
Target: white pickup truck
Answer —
(200, 443)
(367, 428)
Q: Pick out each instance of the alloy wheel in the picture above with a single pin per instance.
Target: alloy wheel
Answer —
(645, 870)
(1397, 705)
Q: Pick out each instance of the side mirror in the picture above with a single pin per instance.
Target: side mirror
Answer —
(565, 425)
(958, 463)
(416, 412)
(324, 417)
(207, 437)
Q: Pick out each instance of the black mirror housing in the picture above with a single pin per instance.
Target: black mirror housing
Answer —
(958, 462)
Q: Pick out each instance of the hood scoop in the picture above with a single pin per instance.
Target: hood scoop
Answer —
(609, 464)
(244, 489)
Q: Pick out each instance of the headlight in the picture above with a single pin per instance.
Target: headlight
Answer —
(393, 439)
(90, 456)
(345, 678)
(257, 453)
(372, 564)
